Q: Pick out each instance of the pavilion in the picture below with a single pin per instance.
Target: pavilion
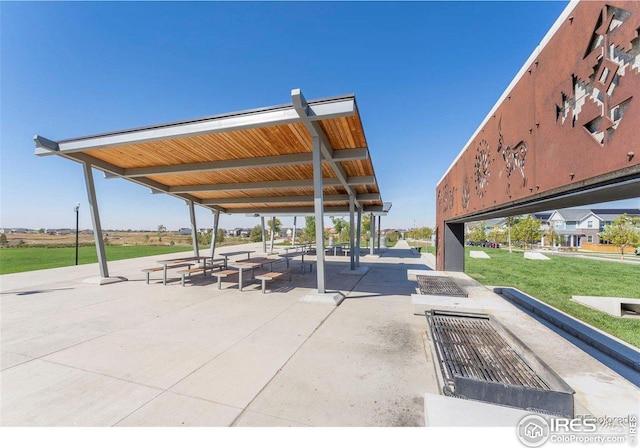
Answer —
(302, 158)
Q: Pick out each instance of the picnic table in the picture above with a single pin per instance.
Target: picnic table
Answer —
(252, 265)
(177, 263)
(226, 255)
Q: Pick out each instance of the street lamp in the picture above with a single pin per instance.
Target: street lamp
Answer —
(77, 209)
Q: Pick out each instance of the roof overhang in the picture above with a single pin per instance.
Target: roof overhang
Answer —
(250, 162)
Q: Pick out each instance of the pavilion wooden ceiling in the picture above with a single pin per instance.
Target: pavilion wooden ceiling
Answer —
(244, 162)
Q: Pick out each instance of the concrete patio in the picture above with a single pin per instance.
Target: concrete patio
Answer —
(132, 354)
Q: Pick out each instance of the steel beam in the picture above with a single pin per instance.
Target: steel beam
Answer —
(294, 183)
(352, 206)
(273, 231)
(300, 211)
(274, 116)
(255, 162)
(109, 168)
(214, 236)
(285, 199)
(372, 234)
(358, 236)
(264, 238)
(194, 230)
(95, 219)
(293, 235)
(319, 212)
(302, 108)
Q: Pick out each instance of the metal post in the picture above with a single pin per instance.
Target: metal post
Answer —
(77, 209)
(95, 219)
(358, 236)
(264, 238)
(378, 229)
(372, 235)
(273, 231)
(318, 199)
(194, 231)
(293, 236)
(352, 206)
(214, 235)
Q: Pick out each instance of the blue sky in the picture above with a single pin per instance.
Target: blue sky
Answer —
(424, 76)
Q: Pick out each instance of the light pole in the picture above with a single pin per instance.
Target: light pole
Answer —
(77, 209)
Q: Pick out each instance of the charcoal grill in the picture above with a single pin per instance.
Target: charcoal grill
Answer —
(479, 359)
(439, 286)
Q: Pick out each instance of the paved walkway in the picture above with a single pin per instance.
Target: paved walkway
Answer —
(132, 354)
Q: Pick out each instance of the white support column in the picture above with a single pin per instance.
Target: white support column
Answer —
(194, 230)
(214, 235)
(372, 234)
(97, 229)
(264, 238)
(319, 212)
(95, 219)
(352, 230)
(293, 235)
(378, 229)
(358, 236)
(273, 231)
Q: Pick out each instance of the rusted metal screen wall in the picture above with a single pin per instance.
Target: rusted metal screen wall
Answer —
(572, 118)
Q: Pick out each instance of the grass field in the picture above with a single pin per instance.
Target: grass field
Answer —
(555, 281)
(34, 258)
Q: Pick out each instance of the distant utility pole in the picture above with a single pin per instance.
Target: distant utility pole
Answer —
(77, 209)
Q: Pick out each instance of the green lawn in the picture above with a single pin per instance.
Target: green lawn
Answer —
(34, 258)
(555, 281)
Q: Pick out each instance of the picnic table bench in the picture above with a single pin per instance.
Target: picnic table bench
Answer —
(271, 276)
(215, 264)
(148, 271)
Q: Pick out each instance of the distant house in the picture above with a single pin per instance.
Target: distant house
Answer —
(184, 231)
(579, 225)
(234, 232)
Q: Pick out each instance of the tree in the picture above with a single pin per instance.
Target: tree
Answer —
(309, 231)
(341, 227)
(219, 237)
(277, 228)
(3, 240)
(478, 234)
(426, 233)
(623, 232)
(497, 234)
(553, 237)
(256, 234)
(161, 230)
(527, 231)
(510, 221)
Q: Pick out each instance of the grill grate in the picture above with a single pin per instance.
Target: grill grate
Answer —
(440, 286)
(470, 347)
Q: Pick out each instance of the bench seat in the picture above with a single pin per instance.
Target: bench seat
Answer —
(148, 271)
(271, 276)
(223, 274)
(190, 271)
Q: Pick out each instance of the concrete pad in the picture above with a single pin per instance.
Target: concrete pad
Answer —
(529, 255)
(475, 303)
(104, 280)
(450, 411)
(41, 393)
(328, 298)
(479, 254)
(171, 409)
(236, 376)
(8, 359)
(158, 360)
(257, 420)
(336, 383)
(361, 270)
(610, 305)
